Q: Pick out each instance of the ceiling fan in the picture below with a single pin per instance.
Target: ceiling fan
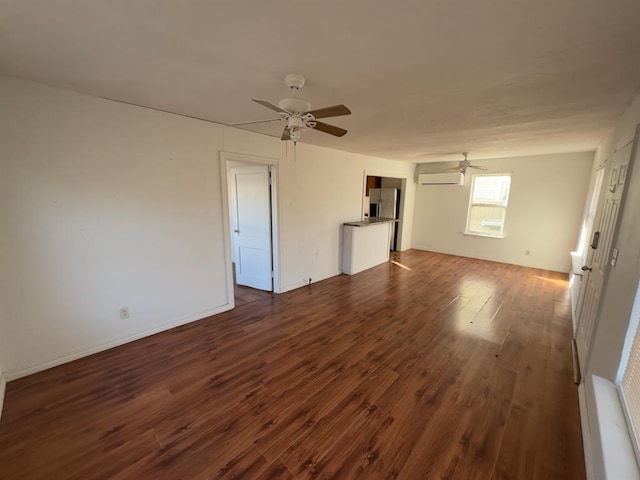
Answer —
(298, 114)
(464, 164)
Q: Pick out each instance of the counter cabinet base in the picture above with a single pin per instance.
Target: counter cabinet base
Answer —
(364, 247)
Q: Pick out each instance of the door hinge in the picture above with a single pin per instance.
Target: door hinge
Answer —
(272, 274)
(270, 179)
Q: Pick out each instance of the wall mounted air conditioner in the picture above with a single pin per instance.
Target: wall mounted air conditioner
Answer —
(453, 178)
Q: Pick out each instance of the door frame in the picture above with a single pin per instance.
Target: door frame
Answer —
(226, 161)
(601, 202)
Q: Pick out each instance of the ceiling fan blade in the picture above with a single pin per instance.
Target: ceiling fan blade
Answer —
(264, 103)
(453, 169)
(478, 167)
(286, 134)
(255, 121)
(437, 154)
(335, 111)
(330, 129)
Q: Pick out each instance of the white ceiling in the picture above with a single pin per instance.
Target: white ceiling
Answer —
(496, 77)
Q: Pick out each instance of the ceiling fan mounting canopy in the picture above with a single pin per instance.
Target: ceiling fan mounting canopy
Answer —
(294, 80)
(298, 114)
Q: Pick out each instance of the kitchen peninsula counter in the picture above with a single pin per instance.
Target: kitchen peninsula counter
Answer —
(363, 248)
(371, 221)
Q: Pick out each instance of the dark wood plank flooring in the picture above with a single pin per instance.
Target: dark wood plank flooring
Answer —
(243, 295)
(440, 367)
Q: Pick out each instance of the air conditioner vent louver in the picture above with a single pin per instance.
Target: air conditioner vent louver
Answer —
(454, 178)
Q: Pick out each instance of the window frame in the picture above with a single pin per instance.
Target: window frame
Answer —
(472, 204)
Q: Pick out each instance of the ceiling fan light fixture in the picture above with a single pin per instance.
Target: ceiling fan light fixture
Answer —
(294, 135)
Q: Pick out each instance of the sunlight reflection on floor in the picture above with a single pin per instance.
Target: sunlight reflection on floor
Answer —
(400, 265)
(555, 281)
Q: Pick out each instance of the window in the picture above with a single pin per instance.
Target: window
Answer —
(488, 205)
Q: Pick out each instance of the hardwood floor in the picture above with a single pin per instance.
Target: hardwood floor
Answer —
(433, 367)
(243, 295)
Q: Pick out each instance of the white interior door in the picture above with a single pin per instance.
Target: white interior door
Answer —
(252, 228)
(599, 254)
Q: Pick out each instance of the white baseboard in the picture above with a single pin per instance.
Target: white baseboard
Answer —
(574, 292)
(300, 284)
(25, 371)
(586, 433)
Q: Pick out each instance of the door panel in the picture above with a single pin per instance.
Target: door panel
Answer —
(598, 258)
(253, 229)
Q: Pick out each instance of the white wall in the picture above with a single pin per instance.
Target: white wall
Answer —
(545, 209)
(319, 191)
(110, 205)
(3, 268)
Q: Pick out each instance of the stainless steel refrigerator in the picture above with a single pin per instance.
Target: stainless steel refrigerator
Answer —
(385, 203)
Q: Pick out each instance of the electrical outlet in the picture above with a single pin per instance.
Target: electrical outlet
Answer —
(124, 313)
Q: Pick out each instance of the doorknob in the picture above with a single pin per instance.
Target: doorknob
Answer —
(237, 231)
(585, 268)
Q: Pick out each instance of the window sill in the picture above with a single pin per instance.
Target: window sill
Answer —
(618, 458)
(485, 235)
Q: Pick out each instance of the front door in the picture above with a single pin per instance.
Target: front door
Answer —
(599, 256)
(252, 229)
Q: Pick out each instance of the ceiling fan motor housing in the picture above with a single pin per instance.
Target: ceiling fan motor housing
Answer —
(296, 106)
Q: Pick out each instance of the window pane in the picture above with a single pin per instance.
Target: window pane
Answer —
(486, 220)
(493, 189)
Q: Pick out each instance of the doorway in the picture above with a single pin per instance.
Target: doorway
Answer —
(252, 227)
(601, 255)
(384, 197)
